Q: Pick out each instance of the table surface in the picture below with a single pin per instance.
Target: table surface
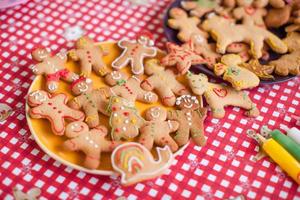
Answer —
(222, 169)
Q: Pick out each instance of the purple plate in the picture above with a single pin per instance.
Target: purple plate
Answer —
(171, 35)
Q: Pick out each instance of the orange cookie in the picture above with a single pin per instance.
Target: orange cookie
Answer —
(134, 53)
(163, 81)
(182, 56)
(124, 120)
(89, 56)
(157, 130)
(219, 96)
(53, 108)
(190, 118)
(52, 67)
(129, 88)
(91, 142)
(90, 100)
(135, 162)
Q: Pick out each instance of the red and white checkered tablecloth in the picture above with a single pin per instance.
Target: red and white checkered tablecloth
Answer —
(222, 169)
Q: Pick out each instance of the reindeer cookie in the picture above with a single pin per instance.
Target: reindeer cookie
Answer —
(91, 142)
(90, 100)
(135, 162)
(163, 81)
(186, 25)
(182, 56)
(52, 67)
(251, 34)
(134, 53)
(239, 77)
(129, 88)
(53, 108)
(218, 96)
(190, 118)
(157, 130)
(124, 120)
(90, 57)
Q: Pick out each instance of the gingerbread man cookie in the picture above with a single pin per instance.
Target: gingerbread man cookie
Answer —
(218, 96)
(182, 56)
(134, 53)
(186, 25)
(199, 8)
(124, 120)
(53, 108)
(157, 130)
(262, 71)
(90, 57)
(129, 88)
(52, 67)
(91, 142)
(251, 34)
(163, 81)
(135, 162)
(239, 77)
(190, 118)
(90, 100)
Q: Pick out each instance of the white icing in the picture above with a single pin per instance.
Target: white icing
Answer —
(88, 80)
(61, 55)
(73, 126)
(116, 75)
(189, 118)
(82, 87)
(75, 77)
(136, 78)
(170, 124)
(115, 114)
(124, 128)
(154, 112)
(38, 96)
(126, 121)
(148, 96)
(52, 86)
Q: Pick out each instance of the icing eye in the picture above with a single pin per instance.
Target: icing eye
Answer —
(88, 80)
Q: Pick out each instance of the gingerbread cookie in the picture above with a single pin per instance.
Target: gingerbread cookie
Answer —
(248, 14)
(90, 142)
(190, 118)
(219, 96)
(89, 56)
(134, 53)
(53, 108)
(31, 194)
(277, 17)
(135, 162)
(124, 120)
(199, 8)
(156, 129)
(52, 67)
(182, 56)
(129, 88)
(186, 25)
(90, 100)
(5, 111)
(163, 81)
(262, 71)
(253, 35)
(289, 63)
(239, 77)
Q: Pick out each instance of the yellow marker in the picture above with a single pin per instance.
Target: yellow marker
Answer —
(289, 164)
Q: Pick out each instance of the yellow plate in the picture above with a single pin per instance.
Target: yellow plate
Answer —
(51, 144)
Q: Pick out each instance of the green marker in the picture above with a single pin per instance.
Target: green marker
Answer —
(290, 145)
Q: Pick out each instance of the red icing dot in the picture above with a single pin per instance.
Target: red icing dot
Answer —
(117, 130)
(114, 108)
(126, 113)
(49, 104)
(54, 107)
(59, 111)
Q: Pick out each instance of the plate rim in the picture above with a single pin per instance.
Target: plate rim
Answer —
(57, 157)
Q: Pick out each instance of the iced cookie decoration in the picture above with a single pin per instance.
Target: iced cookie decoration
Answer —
(134, 53)
(53, 108)
(219, 96)
(129, 88)
(163, 81)
(90, 141)
(186, 25)
(262, 71)
(249, 14)
(90, 57)
(135, 162)
(204, 49)
(289, 63)
(52, 67)
(90, 100)
(190, 118)
(31, 194)
(251, 34)
(124, 120)
(183, 57)
(239, 77)
(5, 111)
(199, 8)
(157, 129)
